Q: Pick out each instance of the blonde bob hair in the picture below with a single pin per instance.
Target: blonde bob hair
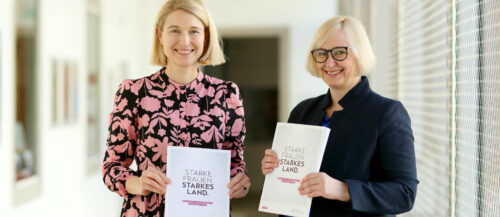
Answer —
(212, 51)
(356, 36)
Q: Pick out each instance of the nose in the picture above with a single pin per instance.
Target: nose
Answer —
(185, 39)
(330, 61)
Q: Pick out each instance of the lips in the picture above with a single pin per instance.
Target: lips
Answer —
(184, 51)
(334, 72)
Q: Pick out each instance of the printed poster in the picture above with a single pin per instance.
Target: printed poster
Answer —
(300, 151)
(199, 179)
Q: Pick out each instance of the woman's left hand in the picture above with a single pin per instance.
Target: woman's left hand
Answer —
(319, 184)
(238, 186)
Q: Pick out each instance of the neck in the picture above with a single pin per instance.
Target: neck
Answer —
(182, 75)
(337, 94)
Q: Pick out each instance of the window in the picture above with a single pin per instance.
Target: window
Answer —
(440, 58)
(26, 127)
(26, 98)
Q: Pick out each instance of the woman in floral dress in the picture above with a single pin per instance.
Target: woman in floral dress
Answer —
(176, 106)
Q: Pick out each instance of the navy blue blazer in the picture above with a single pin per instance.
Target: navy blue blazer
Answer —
(370, 148)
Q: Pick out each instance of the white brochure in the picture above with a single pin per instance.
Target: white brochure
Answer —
(300, 151)
(199, 179)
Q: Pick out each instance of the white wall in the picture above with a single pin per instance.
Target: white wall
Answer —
(6, 108)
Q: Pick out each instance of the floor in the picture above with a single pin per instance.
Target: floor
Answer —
(247, 207)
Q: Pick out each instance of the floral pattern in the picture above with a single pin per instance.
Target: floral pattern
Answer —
(154, 112)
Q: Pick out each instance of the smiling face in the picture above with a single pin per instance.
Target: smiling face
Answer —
(339, 75)
(182, 38)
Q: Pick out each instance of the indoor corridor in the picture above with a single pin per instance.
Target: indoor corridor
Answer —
(62, 61)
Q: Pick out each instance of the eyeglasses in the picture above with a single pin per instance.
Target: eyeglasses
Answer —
(321, 55)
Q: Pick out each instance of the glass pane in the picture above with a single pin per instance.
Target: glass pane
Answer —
(463, 179)
(490, 110)
(423, 89)
(26, 113)
(467, 99)
(384, 38)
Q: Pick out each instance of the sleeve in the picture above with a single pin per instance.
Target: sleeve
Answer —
(235, 129)
(121, 141)
(396, 191)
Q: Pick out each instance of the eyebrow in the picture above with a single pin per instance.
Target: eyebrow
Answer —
(175, 26)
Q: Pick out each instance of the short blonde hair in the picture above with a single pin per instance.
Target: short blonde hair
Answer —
(356, 36)
(212, 50)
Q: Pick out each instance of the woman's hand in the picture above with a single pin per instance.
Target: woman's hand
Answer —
(269, 162)
(238, 186)
(320, 184)
(151, 180)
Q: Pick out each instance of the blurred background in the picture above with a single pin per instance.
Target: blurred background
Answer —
(61, 62)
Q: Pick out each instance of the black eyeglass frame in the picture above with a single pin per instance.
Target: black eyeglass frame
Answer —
(331, 53)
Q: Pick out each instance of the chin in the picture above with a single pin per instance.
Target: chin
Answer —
(333, 82)
(187, 62)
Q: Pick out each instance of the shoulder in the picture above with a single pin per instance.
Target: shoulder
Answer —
(309, 103)
(306, 107)
(386, 108)
(226, 91)
(130, 89)
(218, 84)
(152, 77)
(134, 85)
(381, 103)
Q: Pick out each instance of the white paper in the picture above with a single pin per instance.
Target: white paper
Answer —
(199, 179)
(300, 150)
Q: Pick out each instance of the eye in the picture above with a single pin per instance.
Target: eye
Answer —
(321, 53)
(174, 31)
(195, 32)
(339, 52)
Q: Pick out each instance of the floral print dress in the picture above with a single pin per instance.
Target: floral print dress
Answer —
(154, 112)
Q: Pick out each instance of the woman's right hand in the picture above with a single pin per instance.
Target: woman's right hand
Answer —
(151, 180)
(269, 162)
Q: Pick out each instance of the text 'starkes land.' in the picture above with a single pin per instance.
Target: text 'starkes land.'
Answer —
(300, 151)
(199, 179)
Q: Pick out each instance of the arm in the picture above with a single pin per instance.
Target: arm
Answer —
(235, 129)
(234, 137)
(121, 141)
(395, 192)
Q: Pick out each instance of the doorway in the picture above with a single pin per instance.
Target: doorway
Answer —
(254, 63)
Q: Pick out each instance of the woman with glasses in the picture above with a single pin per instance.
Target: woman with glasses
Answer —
(368, 167)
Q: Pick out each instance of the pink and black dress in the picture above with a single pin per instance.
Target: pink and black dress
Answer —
(154, 112)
